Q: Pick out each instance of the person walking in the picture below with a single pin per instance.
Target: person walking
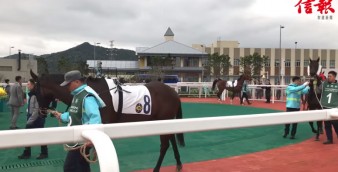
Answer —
(293, 98)
(267, 91)
(34, 120)
(16, 100)
(84, 110)
(278, 91)
(7, 87)
(328, 100)
(244, 93)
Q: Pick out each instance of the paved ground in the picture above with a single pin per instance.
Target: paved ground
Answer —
(307, 156)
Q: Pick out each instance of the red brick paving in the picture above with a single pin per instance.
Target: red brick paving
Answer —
(307, 156)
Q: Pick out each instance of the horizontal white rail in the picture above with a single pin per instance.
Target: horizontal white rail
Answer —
(59, 135)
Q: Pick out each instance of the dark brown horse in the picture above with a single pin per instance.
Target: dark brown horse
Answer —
(166, 104)
(313, 98)
(228, 85)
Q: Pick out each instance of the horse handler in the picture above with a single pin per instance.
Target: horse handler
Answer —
(293, 94)
(84, 110)
(329, 99)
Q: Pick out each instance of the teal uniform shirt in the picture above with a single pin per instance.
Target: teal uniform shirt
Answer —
(89, 109)
(293, 95)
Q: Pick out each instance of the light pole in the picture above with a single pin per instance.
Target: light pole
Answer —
(281, 62)
(10, 48)
(296, 45)
(97, 43)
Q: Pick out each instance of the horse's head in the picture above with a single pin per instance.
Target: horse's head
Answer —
(247, 77)
(314, 68)
(46, 90)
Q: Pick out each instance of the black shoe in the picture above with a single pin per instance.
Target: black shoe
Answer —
(13, 128)
(42, 156)
(314, 131)
(328, 142)
(292, 137)
(285, 135)
(23, 156)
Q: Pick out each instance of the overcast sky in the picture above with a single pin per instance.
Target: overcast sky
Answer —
(48, 26)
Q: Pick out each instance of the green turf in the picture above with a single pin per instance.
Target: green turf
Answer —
(142, 153)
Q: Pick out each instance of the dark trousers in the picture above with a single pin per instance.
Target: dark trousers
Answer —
(75, 162)
(294, 125)
(268, 96)
(44, 150)
(246, 97)
(328, 128)
(38, 123)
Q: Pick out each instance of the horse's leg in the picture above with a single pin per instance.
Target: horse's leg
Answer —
(232, 97)
(319, 129)
(312, 127)
(176, 153)
(219, 95)
(320, 126)
(164, 147)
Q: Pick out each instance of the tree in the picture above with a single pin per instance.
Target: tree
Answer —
(64, 65)
(214, 63)
(42, 65)
(253, 64)
(158, 64)
(225, 64)
(83, 67)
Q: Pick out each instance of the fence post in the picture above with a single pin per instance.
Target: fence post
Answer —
(105, 149)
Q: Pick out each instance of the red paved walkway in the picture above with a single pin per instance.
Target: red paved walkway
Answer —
(308, 156)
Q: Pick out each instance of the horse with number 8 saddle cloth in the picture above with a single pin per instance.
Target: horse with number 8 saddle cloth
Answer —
(129, 99)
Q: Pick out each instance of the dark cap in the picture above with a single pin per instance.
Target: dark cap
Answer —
(71, 76)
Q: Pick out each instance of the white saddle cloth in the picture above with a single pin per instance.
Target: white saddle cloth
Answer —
(136, 99)
(231, 83)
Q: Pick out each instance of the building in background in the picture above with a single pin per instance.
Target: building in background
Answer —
(9, 68)
(172, 58)
(296, 60)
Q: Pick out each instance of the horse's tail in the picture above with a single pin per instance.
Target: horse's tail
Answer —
(214, 84)
(179, 136)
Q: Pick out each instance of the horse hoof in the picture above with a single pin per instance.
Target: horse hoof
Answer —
(317, 139)
(179, 168)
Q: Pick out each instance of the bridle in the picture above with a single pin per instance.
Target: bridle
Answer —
(43, 111)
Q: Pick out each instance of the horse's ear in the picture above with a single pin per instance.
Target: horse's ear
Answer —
(310, 60)
(318, 59)
(34, 76)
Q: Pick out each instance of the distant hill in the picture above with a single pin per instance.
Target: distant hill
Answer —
(83, 52)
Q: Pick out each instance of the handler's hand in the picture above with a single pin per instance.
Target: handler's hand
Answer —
(306, 83)
(57, 114)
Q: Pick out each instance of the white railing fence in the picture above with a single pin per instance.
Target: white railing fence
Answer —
(203, 89)
(100, 135)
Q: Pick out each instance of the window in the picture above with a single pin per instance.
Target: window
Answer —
(236, 62)
(287, 63)
(178, 61)
(267, 63)
(5, 68)
(306, 62)
(323, 63)
(332, 64)
(277, 63)
(297, 63)
(190, 62)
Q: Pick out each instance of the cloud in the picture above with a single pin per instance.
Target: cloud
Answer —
(49, 26)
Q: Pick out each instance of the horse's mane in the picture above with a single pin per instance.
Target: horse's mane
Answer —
(59, 78)
(240, 77)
